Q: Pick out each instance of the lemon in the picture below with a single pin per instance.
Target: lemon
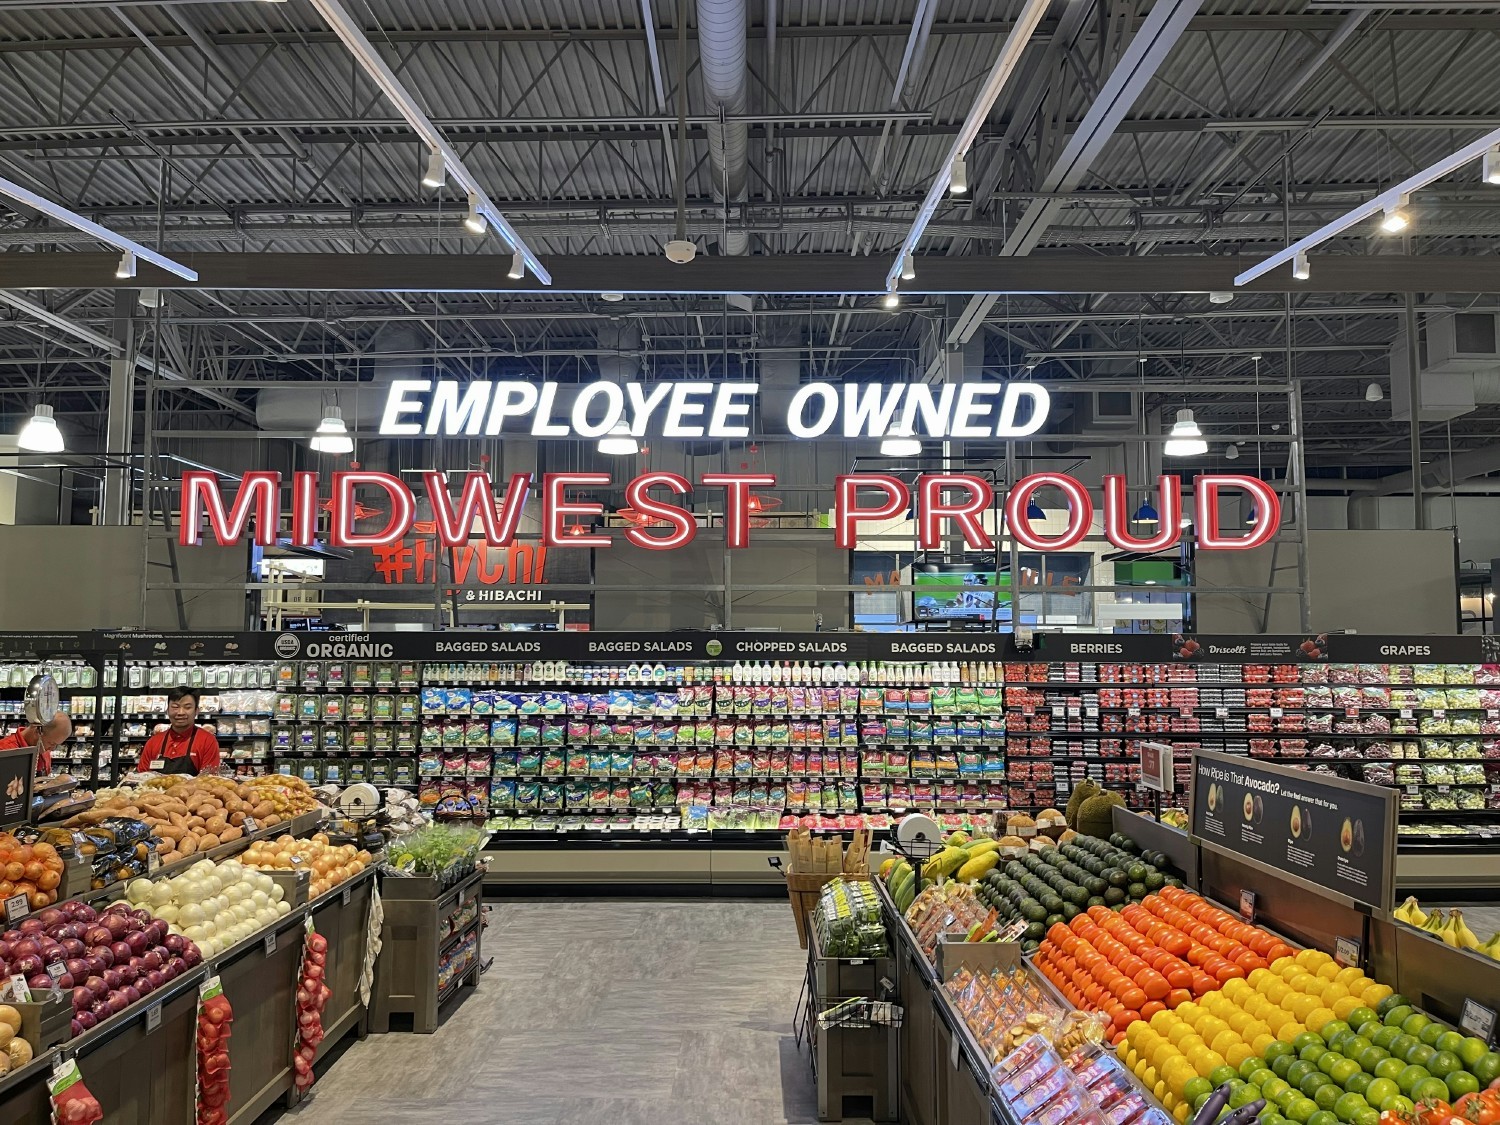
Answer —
(1261, 1042)
(1317, 1018)
(1348, 977)
(1290, 1031)
(1330, 970)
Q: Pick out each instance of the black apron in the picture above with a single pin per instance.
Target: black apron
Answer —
(182, 764)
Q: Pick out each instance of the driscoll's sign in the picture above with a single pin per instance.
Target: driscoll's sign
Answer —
(943, 502)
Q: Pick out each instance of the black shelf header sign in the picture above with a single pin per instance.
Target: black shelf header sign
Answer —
(1319, 829)
(510, 647)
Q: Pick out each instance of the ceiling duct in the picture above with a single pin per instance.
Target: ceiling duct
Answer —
(722, 49)
(619, 356)
(299, 407)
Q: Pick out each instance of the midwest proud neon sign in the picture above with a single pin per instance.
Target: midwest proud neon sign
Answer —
(942, 501)
(482, 408)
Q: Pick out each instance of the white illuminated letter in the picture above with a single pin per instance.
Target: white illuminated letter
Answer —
(681, 409)
(1041, 401)
(542, 425)
(934, 412)
(509, 400)
(397, 404)
(642, 405)
(614, 408)
(725, 407)
(830, 407)
(869, 409)
(969, 414)
(449, 415)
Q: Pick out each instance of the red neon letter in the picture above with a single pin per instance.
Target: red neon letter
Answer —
(476, 499)
(846, 510)
(341, 531)
(259, 491)
(304, 509)
(555, 509)
(1262, 495)
(737, 488)
(1117, 514)
(685, 527)
(1080, 512)
(933, 510)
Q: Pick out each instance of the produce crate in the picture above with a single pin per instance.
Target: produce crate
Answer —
(46, 1024)
(953, 954)
(294, 885)
(848, 976)
(412, 944)
(811, 863)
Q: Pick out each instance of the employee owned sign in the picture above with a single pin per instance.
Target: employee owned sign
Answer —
(951, 501)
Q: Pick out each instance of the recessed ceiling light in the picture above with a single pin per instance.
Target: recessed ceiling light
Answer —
(612, 298)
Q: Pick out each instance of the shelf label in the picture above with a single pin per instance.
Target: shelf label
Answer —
(1478, 1021)
(344, 898)
(1346, 951)
(56, 969)
(953, 1050)
(1406, 712)
(153, 1018)
(16, 907)
(1276, 712)
(1247, 907)
(270, 943)
(1221, 712)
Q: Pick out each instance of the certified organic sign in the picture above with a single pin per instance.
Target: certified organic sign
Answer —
(1334, 833)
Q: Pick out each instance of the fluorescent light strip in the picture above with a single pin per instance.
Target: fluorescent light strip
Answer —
(12, 190)
(1390, 199)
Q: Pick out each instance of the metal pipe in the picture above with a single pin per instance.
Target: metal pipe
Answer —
(722, 47)
(1414, 399)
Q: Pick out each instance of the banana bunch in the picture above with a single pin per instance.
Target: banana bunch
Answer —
(1437, 925)
(1411, 913)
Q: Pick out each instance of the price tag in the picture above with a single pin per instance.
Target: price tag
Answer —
(1478, 1020)
(1406, 712)
(1221, 712)
(1247, 907)
(1411, 790)
(153, 861)
(344, 898)
(1058, 710)
(1132, 710)
(56, 969)
(1351, 712)
(248, 825)
(1439, 713)
(16, 907)
(1346, 951)
(1073, 712)
(270, 943)
(1275, 712)
(153, 1018)
(1443, 788)
(953, 1051)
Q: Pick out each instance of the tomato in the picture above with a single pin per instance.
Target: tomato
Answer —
(1203, 984)
(1153, 984)
(1228, 972)
(1178, 996)
(1133, 997)
(1125, 1018)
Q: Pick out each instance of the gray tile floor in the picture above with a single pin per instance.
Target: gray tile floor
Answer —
(609, 1011)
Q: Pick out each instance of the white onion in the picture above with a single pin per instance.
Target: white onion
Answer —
(138, 891)
(191, 890)
(195, 934)
(282, 908)
(260, 900)
(276, 892)
(163, 892)
(167, 912)
(191, 914)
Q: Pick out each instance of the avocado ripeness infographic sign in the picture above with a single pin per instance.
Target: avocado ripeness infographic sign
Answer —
(1315, 827)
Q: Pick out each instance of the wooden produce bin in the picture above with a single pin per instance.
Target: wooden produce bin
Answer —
(144, 1072)
(262, 990)
(856, 1061)
(412, 942)
(23, 1093)
(813, 862)
(342, 917)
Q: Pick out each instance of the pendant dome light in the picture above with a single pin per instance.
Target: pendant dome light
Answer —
(1186, 439)
(40, 434)
(619, 442)
(1147, 514)
(1034, 510)
(332, 436)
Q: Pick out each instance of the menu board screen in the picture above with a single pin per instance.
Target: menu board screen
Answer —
(1321, 829)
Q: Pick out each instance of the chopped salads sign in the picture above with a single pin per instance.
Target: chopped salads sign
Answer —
(942, 503)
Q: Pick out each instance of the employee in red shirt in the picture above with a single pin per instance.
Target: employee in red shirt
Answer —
(184, 747)
(46, 738)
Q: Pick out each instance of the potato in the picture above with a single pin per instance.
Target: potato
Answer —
(188, 844)
(208, 840)
(230, 833)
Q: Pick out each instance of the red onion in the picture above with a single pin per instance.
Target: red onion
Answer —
(83, 912)
(98, 935)
(27, 965)
(128, 973)
(71, 930)
(87, 1019)
(144, 917)
(175, 943)
(131, 994)
(100, 1009)
(64, 981)
(4, 951)
(119, 907)
(73, 947)
(26, 947)
(77, 966)
(155, 978)
(51, 917)
(50, 951)
(156, 932)
(138, 943)
(192, 955)
(104, 953)
(113, 979)
(76, 1027)
(122, 952)
(96, 986)
(95, 963)
(10, 937)
(31, 926)
(176, 966)
(151, 959)
(116, 1002)
(116, 923)
(82, 998)
(39, 981)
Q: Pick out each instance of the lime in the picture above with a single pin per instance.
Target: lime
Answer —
(1271, 1117)
(1273, 1088)
(1261, 1075)
(1277, 1049)
(1461, 1082)
(1201, 1098)
(1394, 1000)
(1250, 1066)
(1409, 1077)
(1322, 1117)
(1243, 1096)
(1333, 1027)
(1358, 1083)
(1298, 1071)
(1361, 1016)
(1403, 1043)
(1312, 1052)
(1371, 1057)
(1302, 1110)
(1398, 1104)
(1433, 1032)
(1348, 1105)
(1305, 1040)
(1385, 1036)
(1388, 1068)
(1443, 1064)
(1420, 1055)
(1222, 1074)
(1342, 1071)
(1430, 1089)
(1449, 1041)
(1379, 1090)
(1487, 1069)
(1288, 1098)
(1327, 1096)
(1313, 1083)
(1355, 1046)
(1195, 1086)
(1396, 1017)
(1337, 1040)
(1367, 1116)
(1472, 1050)
(1283, 1065)
(1414, 1023)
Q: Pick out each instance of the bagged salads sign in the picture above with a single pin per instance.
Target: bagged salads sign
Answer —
(941, 502)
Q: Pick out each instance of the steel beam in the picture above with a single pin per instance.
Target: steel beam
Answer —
(816, 274)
